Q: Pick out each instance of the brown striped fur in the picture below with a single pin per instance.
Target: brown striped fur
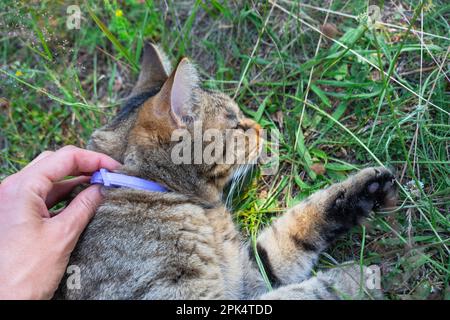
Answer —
(183, 244)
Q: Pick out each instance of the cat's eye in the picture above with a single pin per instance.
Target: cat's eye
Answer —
(231, 116)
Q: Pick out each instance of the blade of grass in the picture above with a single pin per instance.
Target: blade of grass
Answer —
(113, 40)
(48, 55)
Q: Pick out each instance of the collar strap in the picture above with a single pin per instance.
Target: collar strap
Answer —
(110, 179)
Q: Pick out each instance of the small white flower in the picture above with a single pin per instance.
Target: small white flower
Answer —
(412, 188)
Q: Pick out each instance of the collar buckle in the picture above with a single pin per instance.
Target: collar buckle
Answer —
(111, 179)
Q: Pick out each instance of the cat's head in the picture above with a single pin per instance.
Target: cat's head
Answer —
(164, 105)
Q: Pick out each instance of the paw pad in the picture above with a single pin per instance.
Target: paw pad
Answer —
(373, 187)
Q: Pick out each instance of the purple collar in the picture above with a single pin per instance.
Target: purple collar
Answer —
(110, 179)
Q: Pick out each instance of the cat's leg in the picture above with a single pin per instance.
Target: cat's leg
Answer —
(347, 282)
(289, 248)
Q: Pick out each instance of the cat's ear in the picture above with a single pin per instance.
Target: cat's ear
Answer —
(180, 90)
(155, 69)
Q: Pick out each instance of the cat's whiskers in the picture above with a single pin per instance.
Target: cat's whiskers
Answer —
(237, 182)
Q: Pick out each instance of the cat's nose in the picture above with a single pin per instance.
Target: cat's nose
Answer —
(247, 124)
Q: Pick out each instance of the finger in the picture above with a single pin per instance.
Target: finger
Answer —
(41, 156)
(61, 190)
(72, 161)
(64, 162)
(80, 211)
(16, 176)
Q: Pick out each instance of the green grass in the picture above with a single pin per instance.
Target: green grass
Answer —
(330, 103)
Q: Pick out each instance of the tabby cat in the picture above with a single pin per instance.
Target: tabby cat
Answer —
(183, 244)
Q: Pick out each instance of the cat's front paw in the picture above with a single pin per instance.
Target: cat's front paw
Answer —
(356, 197)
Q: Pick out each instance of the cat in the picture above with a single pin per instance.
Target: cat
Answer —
(183, 244)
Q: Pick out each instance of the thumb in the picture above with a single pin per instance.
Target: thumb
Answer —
(80, 211)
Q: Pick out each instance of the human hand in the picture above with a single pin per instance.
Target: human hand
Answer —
(35, 247)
